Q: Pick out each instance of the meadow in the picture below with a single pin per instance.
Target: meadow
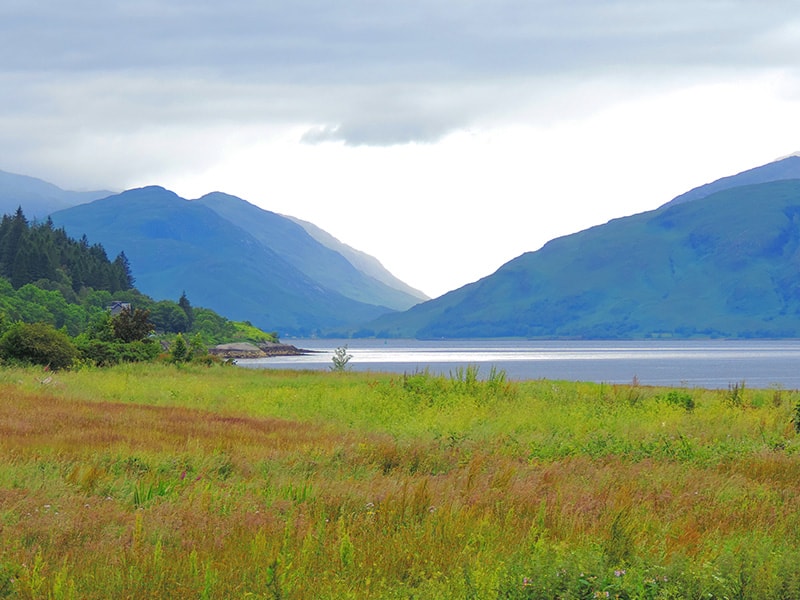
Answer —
(165, 481)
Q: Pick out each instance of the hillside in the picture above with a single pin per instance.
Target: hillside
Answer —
(723, 264)
(293, 243)
(364, 262)
(785, 168)
(176, 245)
(314, 282)
(38, 198)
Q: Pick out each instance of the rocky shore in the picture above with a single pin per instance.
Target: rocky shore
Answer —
(262, 350)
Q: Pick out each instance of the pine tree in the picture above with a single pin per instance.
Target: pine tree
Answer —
(17, 228)
(124, 274)
(184, 303)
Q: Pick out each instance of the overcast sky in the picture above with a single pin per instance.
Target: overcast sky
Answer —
(442, 137)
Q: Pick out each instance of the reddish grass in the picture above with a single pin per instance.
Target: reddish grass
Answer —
(126, 500)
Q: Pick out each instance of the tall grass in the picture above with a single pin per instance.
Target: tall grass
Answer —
(154, 481)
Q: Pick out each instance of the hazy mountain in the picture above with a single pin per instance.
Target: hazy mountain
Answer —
(724, 261)
(177, 245)
(364, 262)
(785, 168)
(38, 198)
(295, 245)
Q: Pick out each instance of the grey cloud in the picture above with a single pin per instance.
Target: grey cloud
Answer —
(350, 40)
(366, 72)
(379, 132)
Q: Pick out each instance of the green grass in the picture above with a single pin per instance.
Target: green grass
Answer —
(192, 482)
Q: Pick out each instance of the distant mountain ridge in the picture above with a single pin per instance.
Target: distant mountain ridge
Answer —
(39, 198)
(294, 244)
(720, 261)
(361, 260)
(225, 253)
(781, 169)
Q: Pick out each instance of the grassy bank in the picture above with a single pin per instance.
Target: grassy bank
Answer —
(157, 481)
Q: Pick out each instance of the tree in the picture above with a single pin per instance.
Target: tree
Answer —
(186, 306)
(180, 351)
(13, 230)
(38, 344)
(197, 346)
(124, 274)
(132, 324)
(168, 317)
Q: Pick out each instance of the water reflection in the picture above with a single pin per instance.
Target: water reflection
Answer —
(688, 363)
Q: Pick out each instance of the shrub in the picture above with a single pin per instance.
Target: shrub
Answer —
(180, 351)
(735, 394)
(340, 359)
(680, 398)
(103, 353)
(39, 344)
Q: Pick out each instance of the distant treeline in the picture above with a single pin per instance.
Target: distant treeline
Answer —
(40, 253)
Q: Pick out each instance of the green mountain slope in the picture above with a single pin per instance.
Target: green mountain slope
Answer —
(296, 246)
(727, 265)
(177, 245)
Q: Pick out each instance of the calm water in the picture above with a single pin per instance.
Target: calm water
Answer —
(710, 364)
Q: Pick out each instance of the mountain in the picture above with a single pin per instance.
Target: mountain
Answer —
(226, 254)
(785, 168)
(292, 242)
(365, 263)
(38, 198)
(723, 260)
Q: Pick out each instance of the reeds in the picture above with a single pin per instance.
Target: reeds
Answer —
(152, 481)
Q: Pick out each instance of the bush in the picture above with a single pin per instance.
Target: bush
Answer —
(39, 344)
(103, 353)
(680, 398)
(340, 359)
(180, 351)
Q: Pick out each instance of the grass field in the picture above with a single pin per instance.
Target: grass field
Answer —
(152, 481)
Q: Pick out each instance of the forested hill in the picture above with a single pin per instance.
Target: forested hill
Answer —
(40, 253)
(50, 279)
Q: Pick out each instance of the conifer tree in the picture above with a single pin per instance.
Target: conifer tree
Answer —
(184, 303)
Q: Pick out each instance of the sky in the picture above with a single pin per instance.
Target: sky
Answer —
(443, 137)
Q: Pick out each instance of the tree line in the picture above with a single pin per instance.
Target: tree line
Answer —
(55, 299)
(39, 252)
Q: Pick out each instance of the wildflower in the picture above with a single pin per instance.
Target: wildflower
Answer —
(619, 572)
(526, 581)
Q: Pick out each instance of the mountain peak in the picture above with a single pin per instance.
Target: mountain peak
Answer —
(149, 189)
(217, 195)
(149, 193)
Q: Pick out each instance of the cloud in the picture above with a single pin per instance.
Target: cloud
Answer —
(356, 72)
